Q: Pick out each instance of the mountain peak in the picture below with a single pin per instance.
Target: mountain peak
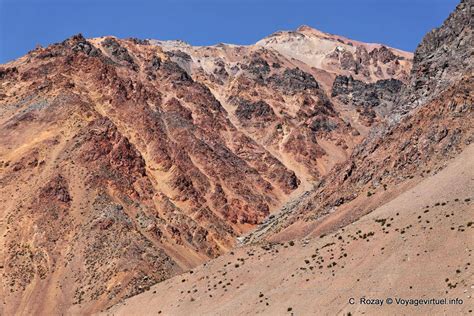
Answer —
(304, 27)
(308, 29)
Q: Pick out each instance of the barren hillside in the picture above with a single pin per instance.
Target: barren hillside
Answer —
(281, 177)
(124, 162)
(418, 246)
(393, 220)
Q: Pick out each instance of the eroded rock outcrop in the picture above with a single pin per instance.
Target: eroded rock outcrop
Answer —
(367, 98)
(444, 55)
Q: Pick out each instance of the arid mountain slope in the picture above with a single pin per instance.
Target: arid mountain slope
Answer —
(113, 163)
(392, 221)
(125, 162)
(384, 165)
(418, 246)
(285, 102)
(400, 151)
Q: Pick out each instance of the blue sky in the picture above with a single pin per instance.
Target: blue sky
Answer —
(397, 23)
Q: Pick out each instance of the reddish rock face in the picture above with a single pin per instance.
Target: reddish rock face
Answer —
(124, 162)
(56, 189)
